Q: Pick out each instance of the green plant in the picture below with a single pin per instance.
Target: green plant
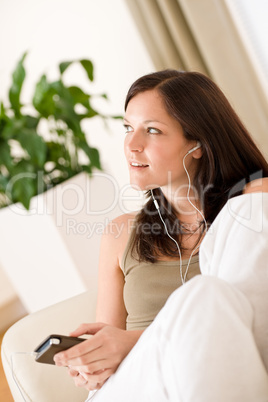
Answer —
(31, 162)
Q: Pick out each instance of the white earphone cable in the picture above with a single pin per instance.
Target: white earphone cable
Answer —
(202, 215)
(188, 192)
(183, 277)
(167, 232)
(12, 369)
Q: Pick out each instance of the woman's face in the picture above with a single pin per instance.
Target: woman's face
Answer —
(154, 144)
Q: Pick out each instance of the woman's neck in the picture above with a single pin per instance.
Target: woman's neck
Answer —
(186, 204)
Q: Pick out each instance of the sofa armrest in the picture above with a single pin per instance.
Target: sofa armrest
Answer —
(37, 381)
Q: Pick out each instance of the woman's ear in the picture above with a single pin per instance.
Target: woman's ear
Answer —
(197, 153)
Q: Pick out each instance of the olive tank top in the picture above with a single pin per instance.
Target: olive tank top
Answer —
(148, 285)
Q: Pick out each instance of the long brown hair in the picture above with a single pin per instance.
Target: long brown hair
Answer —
(230, 157)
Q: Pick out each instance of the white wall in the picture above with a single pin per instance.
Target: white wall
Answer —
(56, 30)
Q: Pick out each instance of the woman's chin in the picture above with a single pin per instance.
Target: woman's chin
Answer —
(137, 186)
(143, 186)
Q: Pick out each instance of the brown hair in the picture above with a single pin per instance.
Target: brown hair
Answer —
(230, 158)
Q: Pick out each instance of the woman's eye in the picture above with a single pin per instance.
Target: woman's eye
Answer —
(127, 128)
(153, 130)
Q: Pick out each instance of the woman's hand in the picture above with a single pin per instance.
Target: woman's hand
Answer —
(84, 380)
(93, 361)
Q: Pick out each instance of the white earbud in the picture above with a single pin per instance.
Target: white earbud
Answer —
(198, 145)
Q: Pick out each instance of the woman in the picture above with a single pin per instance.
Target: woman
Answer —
(188, 149)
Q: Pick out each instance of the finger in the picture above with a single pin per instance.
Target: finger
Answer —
(97, 359)
(98, 355)
(93, 386)
(77, 352)
(80, 381)
(92, 366)
(72, 372)
(99, 377)
(89, 329)
(102, 376)
(99, 365)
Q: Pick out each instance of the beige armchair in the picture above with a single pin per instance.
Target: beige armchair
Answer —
(37, 382)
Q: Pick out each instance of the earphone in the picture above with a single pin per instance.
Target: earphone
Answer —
(183, 277)
(198, 145)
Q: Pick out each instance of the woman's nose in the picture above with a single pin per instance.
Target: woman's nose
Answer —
(136, 143)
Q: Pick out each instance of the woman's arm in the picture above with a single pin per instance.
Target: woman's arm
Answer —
(110, 304)
(98, 357)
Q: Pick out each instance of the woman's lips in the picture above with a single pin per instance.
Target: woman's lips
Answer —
(138, 165)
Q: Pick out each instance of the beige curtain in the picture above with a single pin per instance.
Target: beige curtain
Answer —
(201, 35)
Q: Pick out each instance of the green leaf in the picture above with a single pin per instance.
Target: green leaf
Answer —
(55, 151)
(3, 119)
(11, 128)
(64, 107)
(31, 122)
(90, 113)
(64, 110)
(116, 117)
(79, 96)
(41, 89)
(105, 96)
(3, 183)
(70, 118)
(24, 189)
(64, 65)
(43, 99)
(87, 169)
(92, 153)
(95, 158)
(60, 132)
(34, 145)
(23, 184)
(88, 66)
(18, 77)
(2, 111)
(5, 155)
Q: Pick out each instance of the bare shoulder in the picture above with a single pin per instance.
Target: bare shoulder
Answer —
(116, 235)
(117, 232)
(122, 224)
(256, 186)
(125, 217)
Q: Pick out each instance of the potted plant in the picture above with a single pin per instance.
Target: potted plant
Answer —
(46, 145)
(42, 145)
